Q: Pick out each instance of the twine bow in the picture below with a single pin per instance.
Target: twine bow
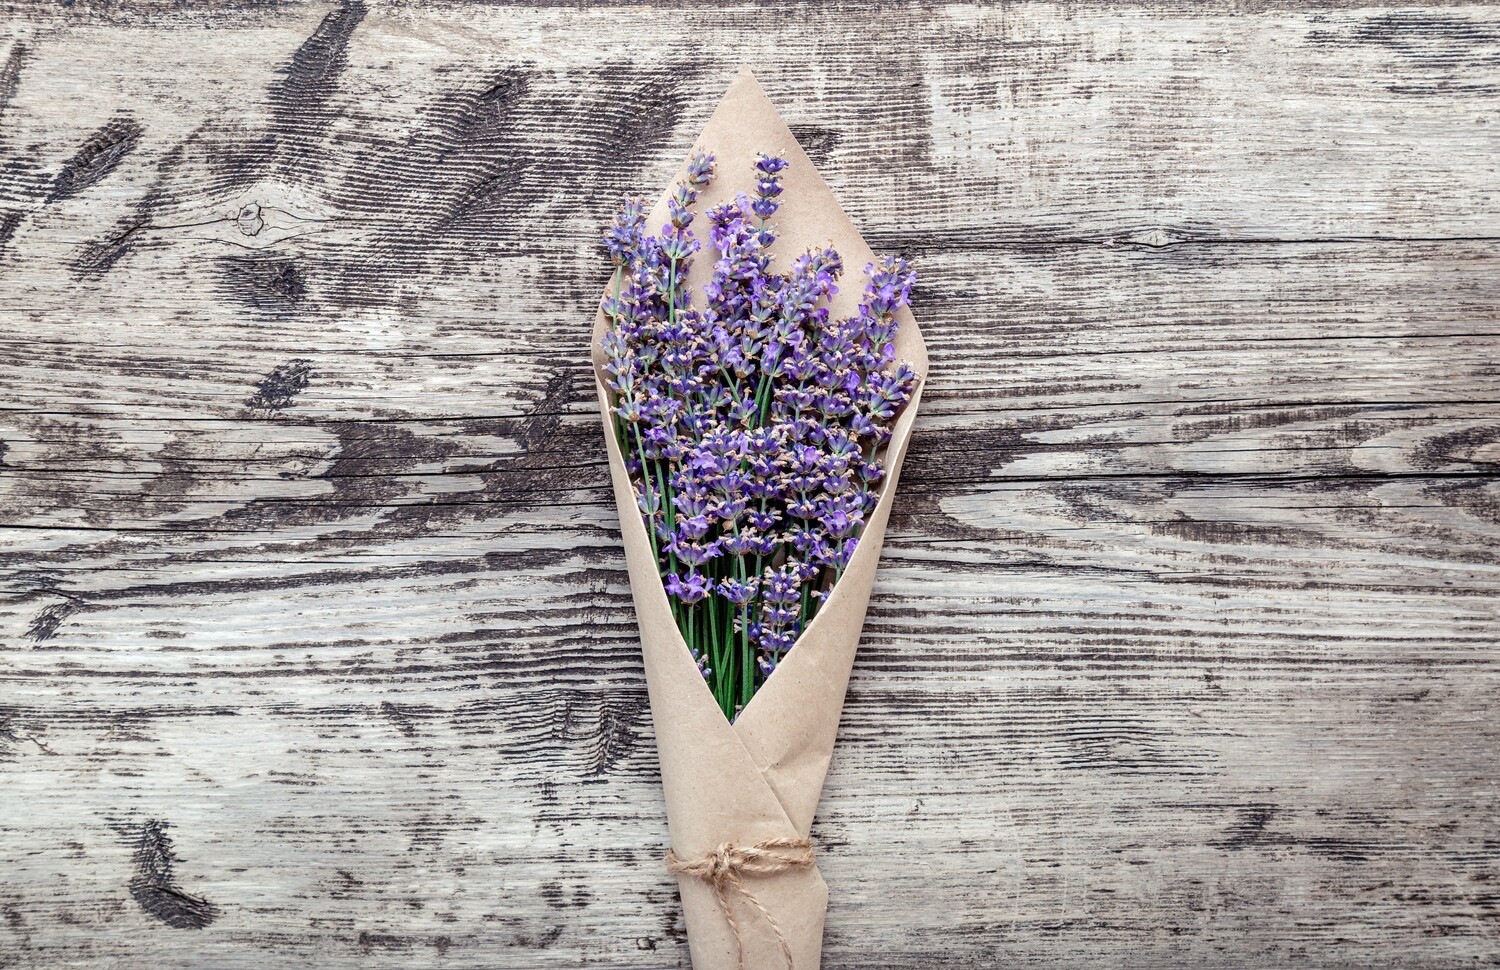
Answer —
(723, 867)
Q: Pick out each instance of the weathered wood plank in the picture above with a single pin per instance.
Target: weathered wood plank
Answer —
(315, 644)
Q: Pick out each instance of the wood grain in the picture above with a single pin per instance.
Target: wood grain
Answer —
(315, 643)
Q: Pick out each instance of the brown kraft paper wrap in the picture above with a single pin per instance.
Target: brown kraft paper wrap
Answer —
(759, 778)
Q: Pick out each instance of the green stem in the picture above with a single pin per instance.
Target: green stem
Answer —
(763, 398)
(724, 647)
(672, 292)
(725, 693)
(640, 450)
(747, 658)
(671, 507)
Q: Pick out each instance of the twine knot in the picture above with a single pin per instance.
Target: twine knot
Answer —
(723, 867)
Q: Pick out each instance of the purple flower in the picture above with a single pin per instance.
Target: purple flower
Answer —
(842, 552)
(687, 589)
(781, 586)
(779, 641)
(679, 206)
(695, 554)
(623, 239)
(767, 185)
(700, 168)
(763, 519)
(737, 591)
(769, 165)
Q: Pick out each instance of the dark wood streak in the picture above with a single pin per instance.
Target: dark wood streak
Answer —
(153, 884)
(316, 642)
(96, 158)
(10, 75)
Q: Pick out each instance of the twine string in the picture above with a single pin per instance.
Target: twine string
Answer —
(727, 863)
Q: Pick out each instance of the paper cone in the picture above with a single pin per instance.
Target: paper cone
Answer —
(759, 778)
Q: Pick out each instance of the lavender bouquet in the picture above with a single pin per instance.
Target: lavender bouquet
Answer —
(752, 427)
(757, 411)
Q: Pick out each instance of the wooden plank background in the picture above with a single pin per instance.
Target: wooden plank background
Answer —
(315, 642)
